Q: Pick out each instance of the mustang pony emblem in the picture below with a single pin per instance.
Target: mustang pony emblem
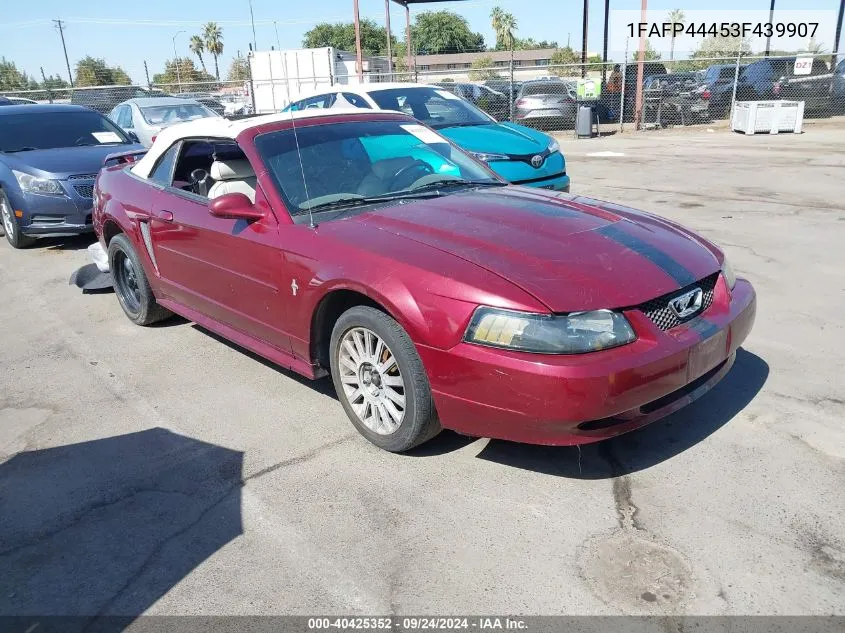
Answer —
(688, 303)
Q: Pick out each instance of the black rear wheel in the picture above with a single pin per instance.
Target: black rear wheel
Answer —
(131, 285)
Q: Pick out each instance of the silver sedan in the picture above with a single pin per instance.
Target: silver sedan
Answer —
(146, 117)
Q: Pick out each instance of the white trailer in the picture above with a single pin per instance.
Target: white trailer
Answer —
(280, 77)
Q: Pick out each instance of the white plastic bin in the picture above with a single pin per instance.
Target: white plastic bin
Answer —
(767, 117)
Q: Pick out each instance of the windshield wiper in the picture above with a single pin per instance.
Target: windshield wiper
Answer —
(20, 149)
(453, 182)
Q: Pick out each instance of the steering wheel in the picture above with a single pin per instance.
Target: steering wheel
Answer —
(82, 140)
(417, 166)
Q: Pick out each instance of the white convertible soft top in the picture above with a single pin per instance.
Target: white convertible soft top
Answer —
(218, 127)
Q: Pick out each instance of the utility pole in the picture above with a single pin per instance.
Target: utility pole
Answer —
(387, 28)
(176, 61)
(638, 104)
(771, 20)
(604, 48)
(61, 27)
(252, 19)
(584, 39)
(838, 34)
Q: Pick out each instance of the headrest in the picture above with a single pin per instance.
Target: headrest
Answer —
(237, 169)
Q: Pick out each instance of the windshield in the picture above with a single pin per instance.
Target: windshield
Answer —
(433, 106)
(167, 114)
(357, 162)
(547, 88)
(49, 130)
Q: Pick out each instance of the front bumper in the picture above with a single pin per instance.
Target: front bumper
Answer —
(43, 216)
(565, 400)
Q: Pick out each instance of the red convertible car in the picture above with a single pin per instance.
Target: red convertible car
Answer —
(368, 247)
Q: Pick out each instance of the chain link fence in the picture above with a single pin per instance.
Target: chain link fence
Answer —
(656, 94)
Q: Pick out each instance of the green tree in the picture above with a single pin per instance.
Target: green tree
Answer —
(11, 78)
(239, 70)
(342, 37)
(529, 43)
(92, 71)
(676, 16)
(504, 25)
(197, 46)
(564, 62)
(213, 37)
(650, 55)
(179, 75)
(483, 69)
(444, 32)
(715, 50)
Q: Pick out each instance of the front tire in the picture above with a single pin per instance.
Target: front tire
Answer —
(130, 284)
(10, 225)
(380, 380)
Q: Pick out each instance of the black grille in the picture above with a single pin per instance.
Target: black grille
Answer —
(86, 191)
(83, 177)
(661, 314)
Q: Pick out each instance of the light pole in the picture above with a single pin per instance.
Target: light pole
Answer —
(252, 19)
(176, 61)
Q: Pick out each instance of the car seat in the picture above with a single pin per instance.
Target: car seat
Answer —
(232, 176)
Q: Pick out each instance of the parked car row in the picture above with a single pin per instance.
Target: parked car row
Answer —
(519, 154)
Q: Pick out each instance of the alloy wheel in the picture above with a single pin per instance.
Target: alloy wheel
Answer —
(371, 379)
(6, 212)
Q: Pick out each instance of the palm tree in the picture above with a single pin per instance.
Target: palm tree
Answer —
(504, 25)
(197, 47)
(213, 36)
(676, 16)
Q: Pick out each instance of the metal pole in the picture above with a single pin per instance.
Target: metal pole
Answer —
(176, 61)
(252, 19)
(61, 28)
(622, 97)
(278, 43)
(736, 79)
(147, 75)
(359, 58)
(251, 82)
(638, 108)
(387, 28)
(584, 39)
(771, 20)
(604, 48)
(44, 83)
(838, 34)
(408, 34)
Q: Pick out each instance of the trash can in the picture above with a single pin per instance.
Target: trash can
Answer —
(584, 121)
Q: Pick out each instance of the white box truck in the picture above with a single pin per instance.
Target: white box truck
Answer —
(280, 77)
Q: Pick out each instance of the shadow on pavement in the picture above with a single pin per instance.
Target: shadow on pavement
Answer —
(649, 445)
(96, 532)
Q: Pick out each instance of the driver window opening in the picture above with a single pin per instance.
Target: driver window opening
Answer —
(212, 168)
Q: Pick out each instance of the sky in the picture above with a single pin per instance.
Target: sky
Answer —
(127, 34)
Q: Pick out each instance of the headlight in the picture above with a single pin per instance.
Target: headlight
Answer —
(34, 184)
(574, 333)
(486, 157)
(554, 146)
(728, 272)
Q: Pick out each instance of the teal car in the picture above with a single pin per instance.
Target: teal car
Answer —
(520, 155)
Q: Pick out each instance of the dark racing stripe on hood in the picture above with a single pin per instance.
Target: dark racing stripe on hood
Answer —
(704, 328)
(670, 266)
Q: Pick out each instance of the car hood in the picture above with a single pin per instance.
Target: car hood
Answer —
(570, 253)
(64, 161)
(502, 138)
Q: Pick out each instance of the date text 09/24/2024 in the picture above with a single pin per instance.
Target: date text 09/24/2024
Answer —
(722, 29)
(417, 623)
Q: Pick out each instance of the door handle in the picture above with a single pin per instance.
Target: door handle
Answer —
(164, 216)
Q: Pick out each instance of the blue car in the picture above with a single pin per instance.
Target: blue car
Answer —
(49, 157)
(520, 155)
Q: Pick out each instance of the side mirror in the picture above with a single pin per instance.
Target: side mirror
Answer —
(133, 137)
(234, 206)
